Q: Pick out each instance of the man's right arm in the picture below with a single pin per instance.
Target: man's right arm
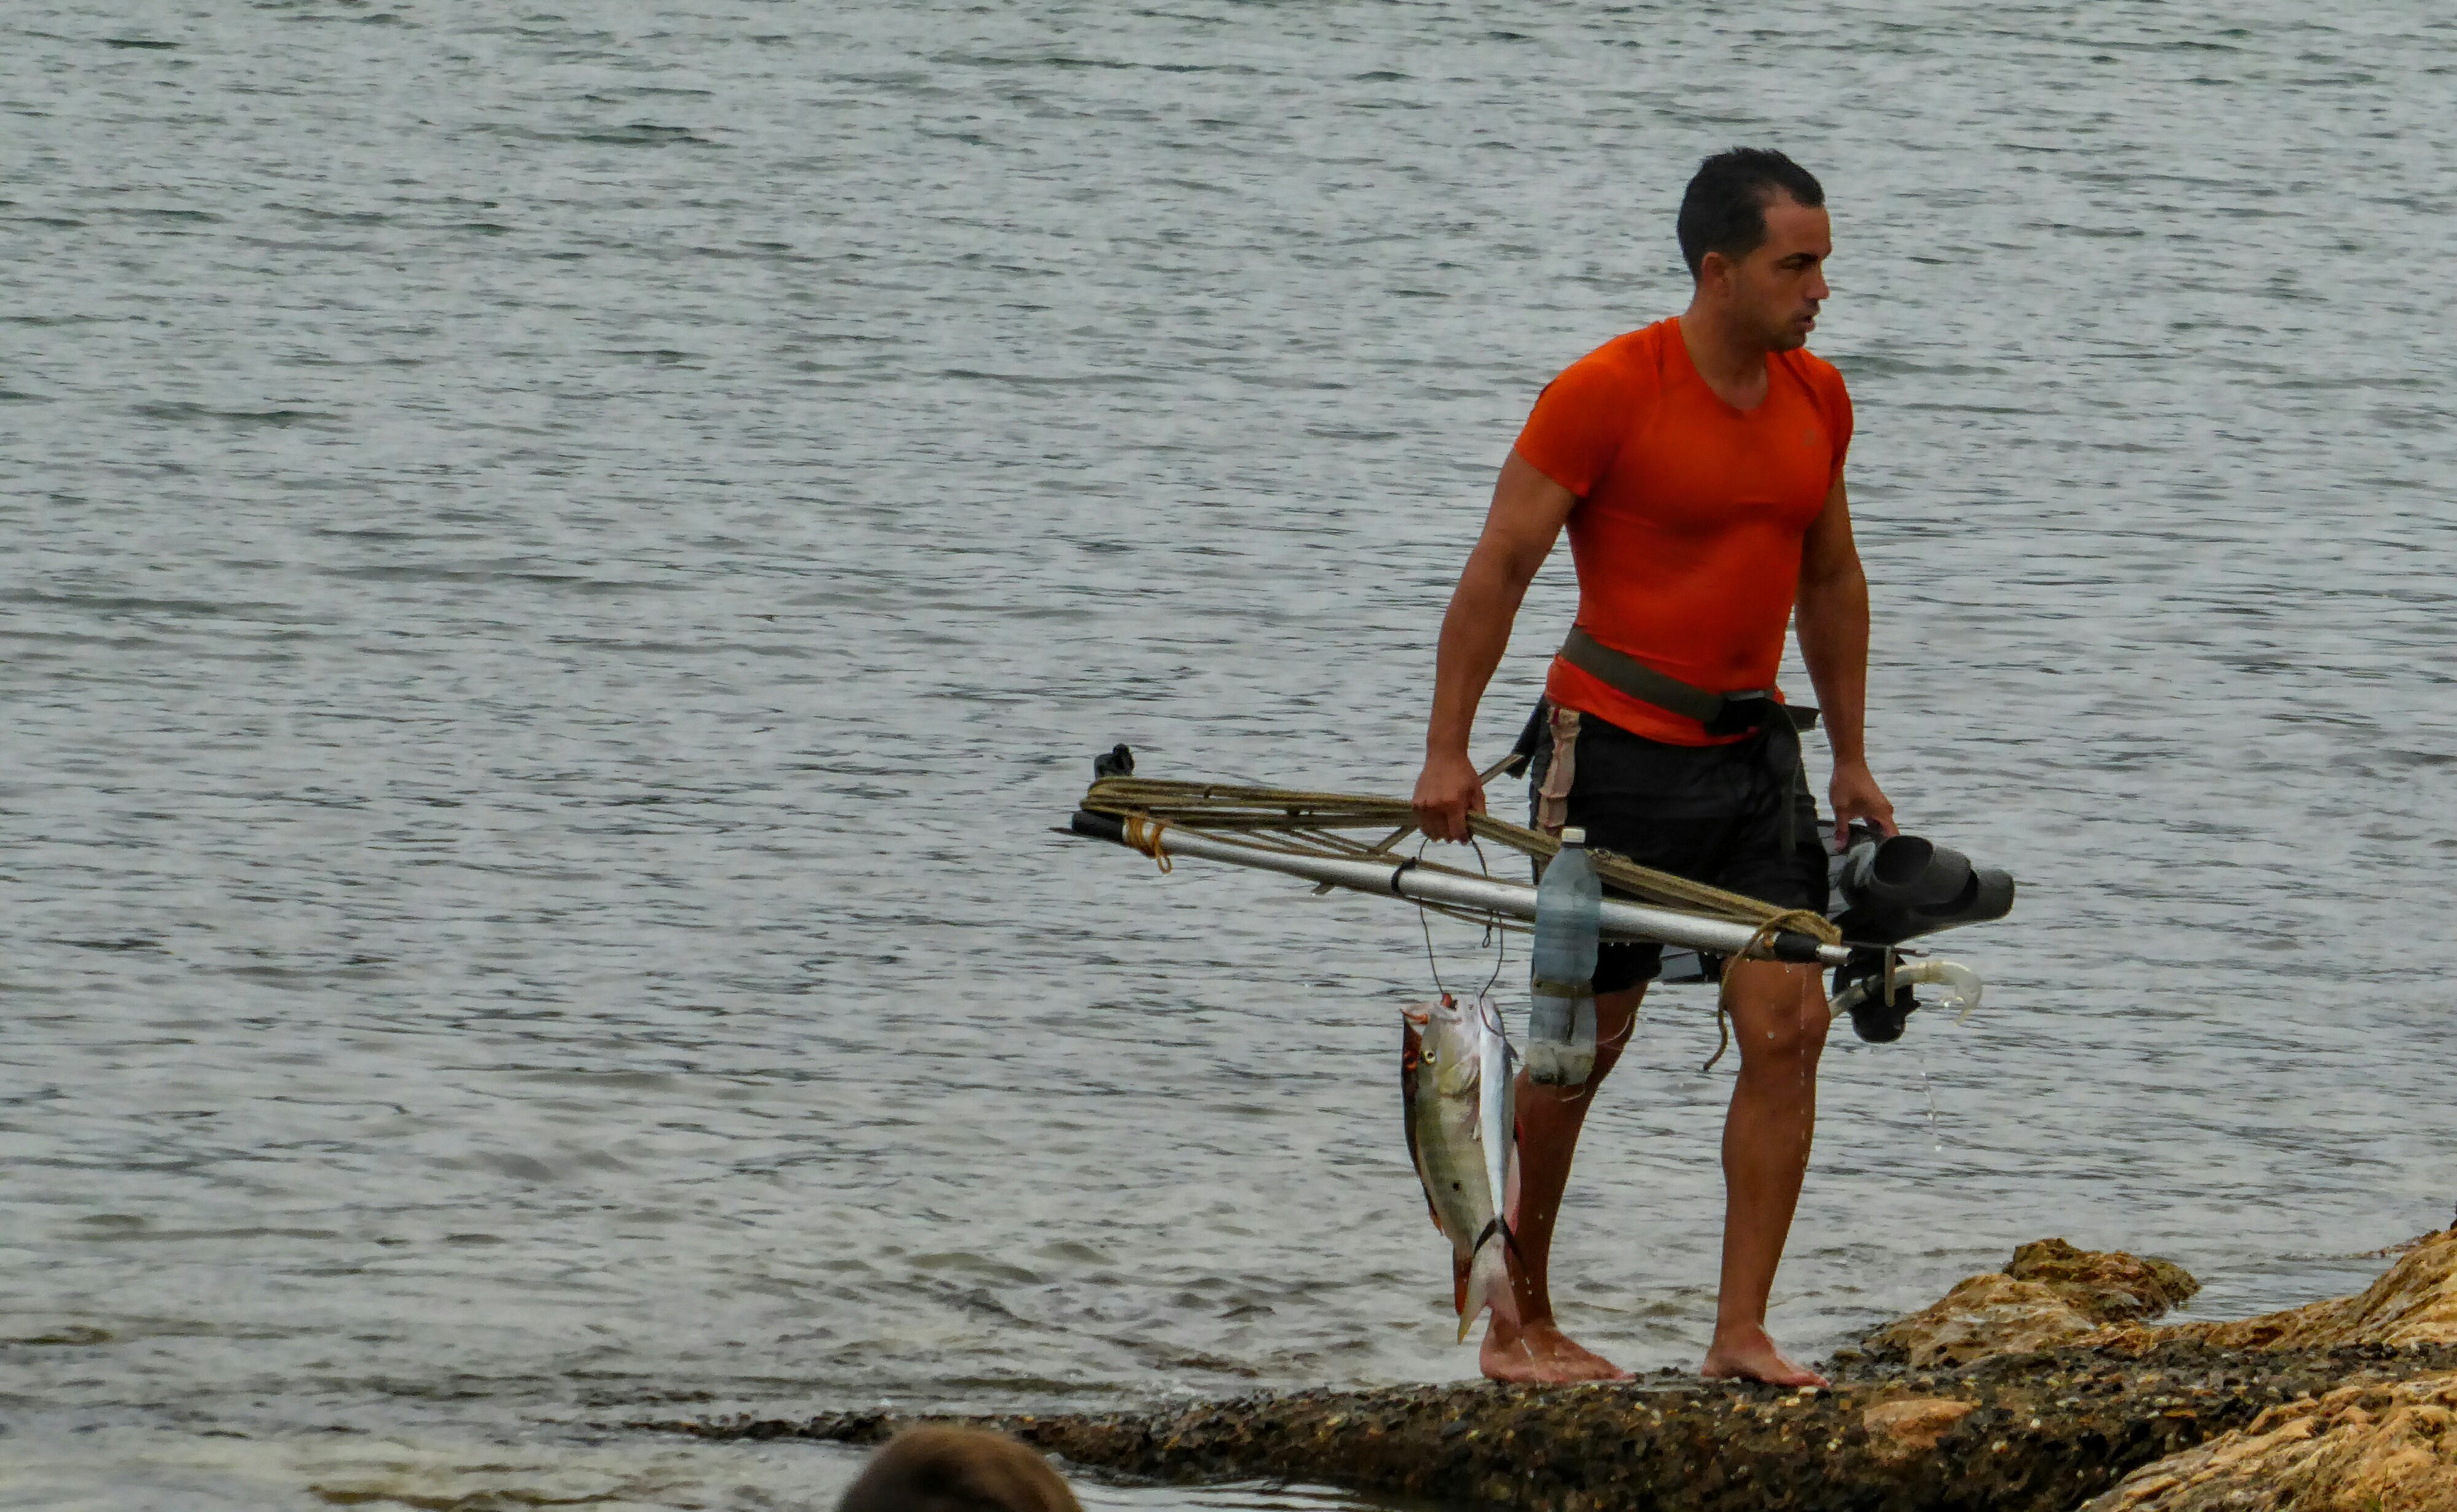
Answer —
(1527, 515)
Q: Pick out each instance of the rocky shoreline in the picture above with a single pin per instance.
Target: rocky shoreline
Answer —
(2044, 1386)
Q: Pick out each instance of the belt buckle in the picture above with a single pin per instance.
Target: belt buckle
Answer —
(1742, 713)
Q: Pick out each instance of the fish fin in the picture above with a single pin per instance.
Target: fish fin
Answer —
(1411, 1058)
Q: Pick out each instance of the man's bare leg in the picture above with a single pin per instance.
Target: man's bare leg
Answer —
(1779, 1015)
(1532, 1346)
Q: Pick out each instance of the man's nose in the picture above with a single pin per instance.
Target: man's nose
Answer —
(1817, 289)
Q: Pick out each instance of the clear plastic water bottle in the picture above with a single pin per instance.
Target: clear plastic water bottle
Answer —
(1561, 1030)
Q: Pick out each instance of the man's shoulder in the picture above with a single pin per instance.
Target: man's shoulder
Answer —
(1813, 370)
(1632, 358)
(1823, 384)
(1641, 349)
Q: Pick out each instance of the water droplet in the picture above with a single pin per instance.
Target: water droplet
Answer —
(1930, 1091)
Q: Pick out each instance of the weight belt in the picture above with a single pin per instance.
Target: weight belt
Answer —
(1754, 710)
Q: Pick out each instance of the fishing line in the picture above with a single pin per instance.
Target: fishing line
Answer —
(1433, 963)
(1499, 939)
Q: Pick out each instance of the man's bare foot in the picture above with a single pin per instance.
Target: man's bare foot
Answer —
(1540, 1352)
(1749, 1354)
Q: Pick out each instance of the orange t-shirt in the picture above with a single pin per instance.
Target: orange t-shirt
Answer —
(1690, 517)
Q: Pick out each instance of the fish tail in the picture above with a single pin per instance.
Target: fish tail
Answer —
(1485, 1283)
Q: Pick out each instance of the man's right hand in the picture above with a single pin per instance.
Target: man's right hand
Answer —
(1447, 792)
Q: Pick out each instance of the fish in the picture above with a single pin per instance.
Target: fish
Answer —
(1458, 1077)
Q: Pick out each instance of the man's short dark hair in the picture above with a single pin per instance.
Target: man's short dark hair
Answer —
(1723, 208)
(946, 1468)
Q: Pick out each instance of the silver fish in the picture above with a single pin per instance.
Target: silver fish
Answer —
(1460, 1075)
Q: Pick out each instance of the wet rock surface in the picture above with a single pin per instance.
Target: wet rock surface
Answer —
(2349, 1403)
(2048, 1430)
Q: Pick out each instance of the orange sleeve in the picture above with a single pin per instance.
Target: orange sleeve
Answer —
(1836, 400)
(1577, 423)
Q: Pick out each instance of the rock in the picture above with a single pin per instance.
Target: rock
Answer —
(1901, 1429)
(2415, 1302)
(1983, 1316)
(2377, 1447)
(2050, 1293)
(2107, 1284)
(2014, 1433)
(2036, 1389)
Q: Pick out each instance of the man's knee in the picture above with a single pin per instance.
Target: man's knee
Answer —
(1782, 1046)
(1779, 1017)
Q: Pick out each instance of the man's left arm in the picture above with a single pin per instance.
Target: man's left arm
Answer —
(1832, 624)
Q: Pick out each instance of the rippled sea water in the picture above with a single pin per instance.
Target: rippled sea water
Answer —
(560, 563)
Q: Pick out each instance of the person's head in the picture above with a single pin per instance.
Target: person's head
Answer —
(935, 1469)
(1754, 232)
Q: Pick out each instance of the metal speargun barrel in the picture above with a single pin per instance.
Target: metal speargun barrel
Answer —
(1618, 919)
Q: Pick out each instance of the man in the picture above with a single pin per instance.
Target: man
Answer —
(1698, 466)
(944, 1468)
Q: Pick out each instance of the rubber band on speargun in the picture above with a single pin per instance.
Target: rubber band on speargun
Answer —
(1144, 835)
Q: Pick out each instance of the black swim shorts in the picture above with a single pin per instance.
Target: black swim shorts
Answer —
(1711, 813)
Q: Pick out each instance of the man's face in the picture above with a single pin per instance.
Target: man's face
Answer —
(1776, 289)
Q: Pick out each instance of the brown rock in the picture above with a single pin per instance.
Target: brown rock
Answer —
(2050, 1293)
(1984, 1315)
(2109, 1285)
(2376, 1447)
(1902, 1429)
(2415, 1302)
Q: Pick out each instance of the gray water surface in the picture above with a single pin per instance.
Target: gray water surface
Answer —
(561, 563)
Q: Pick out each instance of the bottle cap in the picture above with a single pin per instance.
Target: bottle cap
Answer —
(1573, 835)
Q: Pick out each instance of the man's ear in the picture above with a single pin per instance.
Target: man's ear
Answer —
(1713, 271)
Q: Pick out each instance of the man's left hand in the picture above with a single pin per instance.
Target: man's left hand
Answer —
(1854, 794)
